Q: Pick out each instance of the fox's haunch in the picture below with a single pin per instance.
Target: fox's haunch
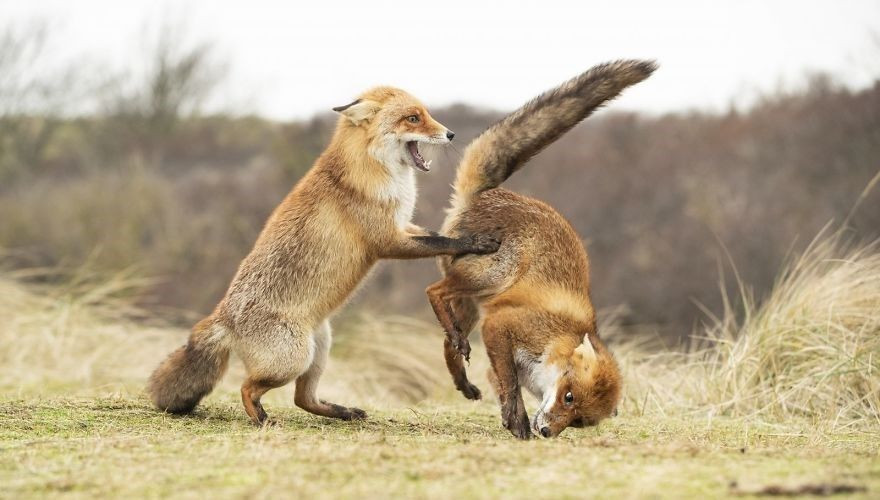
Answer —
(189, 373)
(502, 149)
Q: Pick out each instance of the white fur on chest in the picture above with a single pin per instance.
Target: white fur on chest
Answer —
(535, 374)
(401, 190)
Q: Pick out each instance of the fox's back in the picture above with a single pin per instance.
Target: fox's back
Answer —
(539, 239)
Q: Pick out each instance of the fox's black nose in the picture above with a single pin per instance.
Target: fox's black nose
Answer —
(545, 431)
(450, 134)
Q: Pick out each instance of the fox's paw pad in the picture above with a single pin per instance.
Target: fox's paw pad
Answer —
(484, 243)
(471, 392)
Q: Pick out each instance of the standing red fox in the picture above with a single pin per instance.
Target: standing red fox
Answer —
(538, 326)
(352, 208)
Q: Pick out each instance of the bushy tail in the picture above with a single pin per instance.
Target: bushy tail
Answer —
(190, 372)
(502, 149)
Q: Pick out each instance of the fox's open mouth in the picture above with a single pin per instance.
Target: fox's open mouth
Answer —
(421, 164)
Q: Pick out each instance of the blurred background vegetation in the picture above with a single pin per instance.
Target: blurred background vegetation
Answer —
(123, 170)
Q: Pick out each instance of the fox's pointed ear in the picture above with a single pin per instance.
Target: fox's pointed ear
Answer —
(586, 349)
(358, 111)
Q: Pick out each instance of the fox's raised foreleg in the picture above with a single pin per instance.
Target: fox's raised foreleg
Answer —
(409, 246)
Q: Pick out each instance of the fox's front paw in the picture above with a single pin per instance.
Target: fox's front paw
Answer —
(515, 419)
(483, 244)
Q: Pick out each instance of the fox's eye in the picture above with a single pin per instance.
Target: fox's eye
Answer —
(413, 118)
(569, 398)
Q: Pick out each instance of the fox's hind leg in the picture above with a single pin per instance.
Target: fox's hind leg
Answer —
(274, 352)
(466, 315)
(441, 296)
(251, 392)
(307, 383)
(469, 277)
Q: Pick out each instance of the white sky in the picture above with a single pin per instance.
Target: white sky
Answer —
(290, 59)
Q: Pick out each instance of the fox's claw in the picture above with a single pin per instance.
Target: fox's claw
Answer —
(465, 349)
(459, 341)
(462, 345)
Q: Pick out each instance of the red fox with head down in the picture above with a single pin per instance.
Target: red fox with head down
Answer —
(533, 294)
(352, 208)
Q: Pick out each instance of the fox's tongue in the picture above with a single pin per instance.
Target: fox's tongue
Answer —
(421, 164)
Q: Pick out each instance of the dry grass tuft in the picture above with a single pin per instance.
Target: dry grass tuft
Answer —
(810, 349)
(392, 359)
(81, 334)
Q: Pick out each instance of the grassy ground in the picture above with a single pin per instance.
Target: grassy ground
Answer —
(782, 399)
(88, 447)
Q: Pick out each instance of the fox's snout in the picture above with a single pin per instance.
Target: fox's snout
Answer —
(444, 137)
